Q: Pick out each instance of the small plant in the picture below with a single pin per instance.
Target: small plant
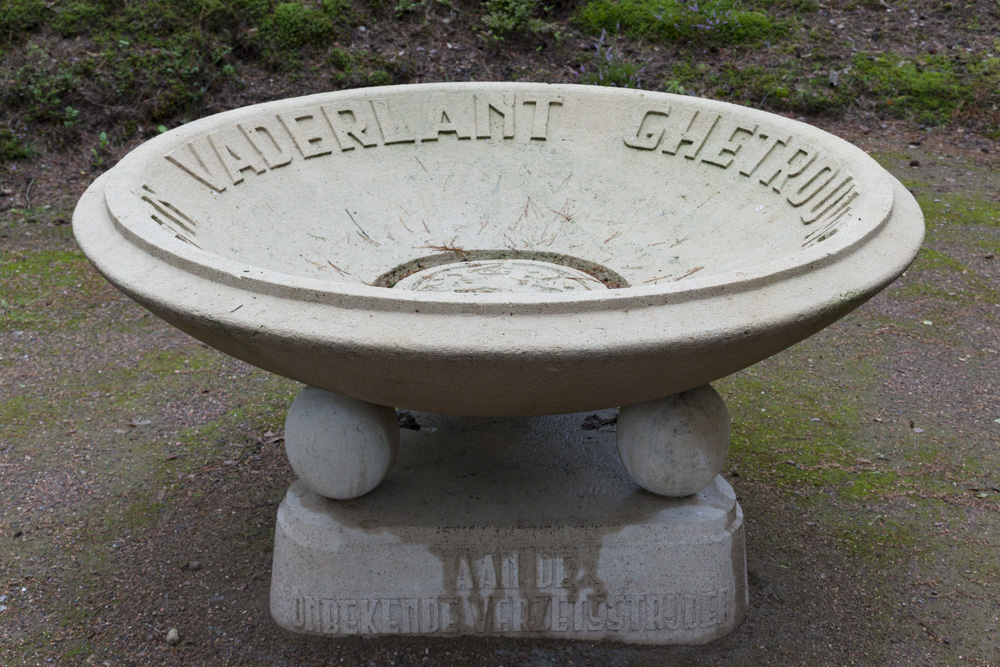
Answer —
(99, 151)
(611, 67)
(507, 17)
(71, 117)
(12, 146)
(674, 86)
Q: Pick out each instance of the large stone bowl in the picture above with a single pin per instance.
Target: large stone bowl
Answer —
(499, 249)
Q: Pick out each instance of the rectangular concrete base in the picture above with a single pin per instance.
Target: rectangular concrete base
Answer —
(511, 527)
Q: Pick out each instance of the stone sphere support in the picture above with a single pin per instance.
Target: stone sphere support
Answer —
(340, 447)
(675, 446)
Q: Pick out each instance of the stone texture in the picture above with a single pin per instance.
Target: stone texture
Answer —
(675, 446)
(273, 233)
(487, 527)
(340, 447)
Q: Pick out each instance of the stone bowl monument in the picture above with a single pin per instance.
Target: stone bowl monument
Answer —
(499, 257)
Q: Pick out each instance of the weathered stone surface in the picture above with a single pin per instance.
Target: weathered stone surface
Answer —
(487, 527)
(275, 232)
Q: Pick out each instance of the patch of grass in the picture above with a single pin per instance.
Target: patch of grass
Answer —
(711, 22)
(511, 17)
(183, 70)
(43, 87)
(352, 69)
(18, 17)
(157, 61)
(789, 87)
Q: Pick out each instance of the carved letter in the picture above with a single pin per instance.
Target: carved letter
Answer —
(390, 615)
(192, 159)
(464, 580)
(448, 117)
(328, 616)
(770, 144)
(722, 155)
(508, 572)
(449, 615)
(669, 612)
(311, 135)
(486, 107)
(542, 104)
(834, 196)
(411, 615)
(392, 132)
(694, 136)
(347, 122)
(649, 130)
(596, 621)
(348, 616)
(168, 213)
(430, 616)
(263, 136)
(543, 572)
(487, 573)
(480, 614)
(236, 154)
(615, 622)
(795, 165)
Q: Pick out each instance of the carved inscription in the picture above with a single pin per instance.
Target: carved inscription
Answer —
(496, 594)
(809, 180)
(168, 216)
(225, 158)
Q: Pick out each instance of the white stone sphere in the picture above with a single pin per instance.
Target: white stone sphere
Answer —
(340, 447)
(675, 446)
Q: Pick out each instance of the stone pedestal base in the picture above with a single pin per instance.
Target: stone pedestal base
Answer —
(512, 527)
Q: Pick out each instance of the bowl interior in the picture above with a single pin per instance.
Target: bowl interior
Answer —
(515, 188)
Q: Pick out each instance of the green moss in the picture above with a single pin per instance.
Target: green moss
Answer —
(929, 89)
(142, 512)
(962, 208)
(611, 67)
(713, 22)
(806, 436)
(930, 259)
(293, 26)
(43, 288)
